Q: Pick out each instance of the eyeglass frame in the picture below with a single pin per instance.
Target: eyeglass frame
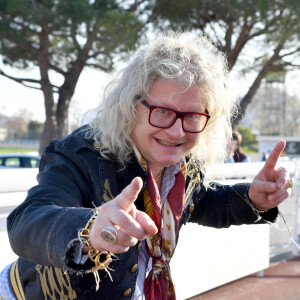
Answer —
(179, 115)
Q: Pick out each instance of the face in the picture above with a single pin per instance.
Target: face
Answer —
(165, 147)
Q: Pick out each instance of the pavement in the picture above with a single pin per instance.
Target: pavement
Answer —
(281, 281)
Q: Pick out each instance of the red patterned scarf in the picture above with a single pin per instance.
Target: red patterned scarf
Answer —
(160, 247)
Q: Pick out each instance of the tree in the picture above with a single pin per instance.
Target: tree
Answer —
(274, 111)
(257, 36)
(34, 130)
(62, 37)
(17, 124)
(248, 138)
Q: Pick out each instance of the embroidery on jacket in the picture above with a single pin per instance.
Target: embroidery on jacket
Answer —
(55, 284)
(15, 281)
(107, 195)
(194, 173)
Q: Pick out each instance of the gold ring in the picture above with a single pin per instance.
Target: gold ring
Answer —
(291, 183)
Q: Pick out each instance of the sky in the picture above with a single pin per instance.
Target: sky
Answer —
(88, 93)
(14, 96)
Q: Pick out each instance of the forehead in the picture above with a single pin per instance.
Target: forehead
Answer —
(174, 95)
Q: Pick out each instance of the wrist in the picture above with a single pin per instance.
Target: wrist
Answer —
(257, 208)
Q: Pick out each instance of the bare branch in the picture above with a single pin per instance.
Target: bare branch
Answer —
(228, 35)
(95, 54)
(28, 80)
(135, 5)
(74, 39)
(106, 69)
(290, 53)
(216, 34)
(57, 69)
(241, 41)
(267, 28)
(20, 80)
(256, 83)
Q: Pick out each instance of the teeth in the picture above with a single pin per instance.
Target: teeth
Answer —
(166, 143)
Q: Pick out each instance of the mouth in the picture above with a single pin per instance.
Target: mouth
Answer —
(164, 143)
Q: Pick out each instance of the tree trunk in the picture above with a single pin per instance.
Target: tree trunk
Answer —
(67, 90)
(49, 131)
(246, 100)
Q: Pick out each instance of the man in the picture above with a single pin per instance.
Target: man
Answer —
(104, 220)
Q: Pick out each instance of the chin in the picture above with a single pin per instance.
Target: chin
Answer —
(168, 162)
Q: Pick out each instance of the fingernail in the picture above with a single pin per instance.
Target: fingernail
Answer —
(280, 185)
(271, 198)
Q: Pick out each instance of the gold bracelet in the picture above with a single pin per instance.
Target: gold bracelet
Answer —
(260, 210)
(95, 255)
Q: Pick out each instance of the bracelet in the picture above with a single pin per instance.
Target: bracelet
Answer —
(102, 259)
(259, 210)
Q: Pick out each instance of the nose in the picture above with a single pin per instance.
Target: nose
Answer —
(176, 131)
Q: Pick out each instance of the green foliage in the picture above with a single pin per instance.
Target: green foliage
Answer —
(34, 125)
(248, 138)
(71, 27)
(233, 23)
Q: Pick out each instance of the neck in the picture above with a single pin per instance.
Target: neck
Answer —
(158, 175)
(158, 178)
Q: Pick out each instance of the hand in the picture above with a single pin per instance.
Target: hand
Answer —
(121, 213)
(270, 187)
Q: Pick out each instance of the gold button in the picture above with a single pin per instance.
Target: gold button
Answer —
(191, 208)
(96, 145)
(127, 292)
(139, 245)
(133, 268)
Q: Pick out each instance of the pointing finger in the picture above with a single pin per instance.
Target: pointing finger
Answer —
(274, 155)
(129, 194)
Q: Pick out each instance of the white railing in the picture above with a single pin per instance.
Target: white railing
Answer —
(24, 143)
(14, 184)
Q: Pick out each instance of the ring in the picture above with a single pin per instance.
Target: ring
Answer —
(109, 234)
(291, 183)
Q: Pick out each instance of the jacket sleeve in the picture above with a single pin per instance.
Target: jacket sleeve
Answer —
(47, 223)
(223, 205)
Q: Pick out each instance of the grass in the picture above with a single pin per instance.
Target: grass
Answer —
(17, 150)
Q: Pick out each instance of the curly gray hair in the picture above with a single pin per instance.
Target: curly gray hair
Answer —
(186, 58)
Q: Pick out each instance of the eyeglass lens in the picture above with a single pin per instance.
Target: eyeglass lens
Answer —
(165, 118)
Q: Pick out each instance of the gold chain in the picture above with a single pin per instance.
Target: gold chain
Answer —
(159, 174)
(95, 255)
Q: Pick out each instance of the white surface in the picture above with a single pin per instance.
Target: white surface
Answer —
(6, 254)
(207, 257)
(248, 170)
(11, 200)
(17, 179)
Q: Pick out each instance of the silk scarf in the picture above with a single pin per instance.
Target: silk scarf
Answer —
(160, 247)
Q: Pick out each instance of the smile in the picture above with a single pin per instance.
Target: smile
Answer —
(166, 143)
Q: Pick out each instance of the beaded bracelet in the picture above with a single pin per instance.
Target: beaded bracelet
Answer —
(96, 255)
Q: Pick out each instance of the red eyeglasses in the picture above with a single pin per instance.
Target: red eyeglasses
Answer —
(163, 117)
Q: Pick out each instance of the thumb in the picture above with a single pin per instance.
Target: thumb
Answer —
(129, 194)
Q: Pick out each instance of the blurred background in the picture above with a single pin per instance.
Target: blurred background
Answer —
(56, 57)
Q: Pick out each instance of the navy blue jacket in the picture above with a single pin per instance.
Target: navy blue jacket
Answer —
(73, 179)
